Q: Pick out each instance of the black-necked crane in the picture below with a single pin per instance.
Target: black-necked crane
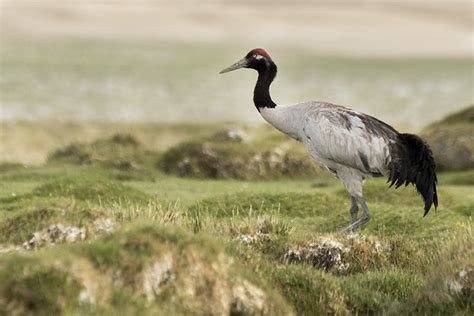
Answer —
(351, 145)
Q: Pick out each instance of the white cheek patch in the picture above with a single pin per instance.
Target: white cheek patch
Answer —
(258, 57)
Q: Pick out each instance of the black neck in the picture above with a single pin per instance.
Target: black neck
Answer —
(261, 94)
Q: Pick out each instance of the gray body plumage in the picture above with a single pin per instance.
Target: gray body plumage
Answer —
(346, 142)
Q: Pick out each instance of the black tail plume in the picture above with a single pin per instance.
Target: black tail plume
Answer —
(414, 163)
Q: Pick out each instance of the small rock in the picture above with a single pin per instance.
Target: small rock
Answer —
(454, 286)
(294, 255)
(54, 234)
(231, 134)
(463, 285)
(326, 254)
(185, 167)
(103, 225)
(246, 239)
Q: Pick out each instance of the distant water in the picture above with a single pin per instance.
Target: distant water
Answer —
(114, 81)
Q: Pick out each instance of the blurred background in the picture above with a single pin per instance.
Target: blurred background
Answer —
(69, 65)
(114, 120)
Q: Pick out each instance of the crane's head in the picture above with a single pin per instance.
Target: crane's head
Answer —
(257, 59)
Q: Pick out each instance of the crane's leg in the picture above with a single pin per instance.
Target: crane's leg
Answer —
(352, 180)
(354, 210)
(361, 221)
(365, 215)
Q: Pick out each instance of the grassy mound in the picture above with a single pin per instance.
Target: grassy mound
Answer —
(465, 116)
(73, 200)
(376, 291)
(366, 294)
(35, 214)
(11, 166)
(395, 275)
(310, 291)
(32, 287)
(269, 157)
(452, 140)
(120, 152)
(142, 269)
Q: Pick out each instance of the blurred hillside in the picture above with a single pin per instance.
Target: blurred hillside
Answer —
(408, 63)
(350, 27)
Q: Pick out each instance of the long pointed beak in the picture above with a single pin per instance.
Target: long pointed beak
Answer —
(240, 64)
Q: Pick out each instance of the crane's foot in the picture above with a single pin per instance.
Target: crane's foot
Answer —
(352, 227)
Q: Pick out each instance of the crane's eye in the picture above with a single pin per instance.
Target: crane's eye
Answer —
(257, 56)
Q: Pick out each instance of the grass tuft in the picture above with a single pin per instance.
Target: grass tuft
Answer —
(90, 188)
(121, 154)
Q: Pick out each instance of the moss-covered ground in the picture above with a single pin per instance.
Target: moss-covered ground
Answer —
(202, 224)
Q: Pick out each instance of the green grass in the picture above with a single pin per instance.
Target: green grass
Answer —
(312, 292)
(31, 286)
(206, 218)
(390, 290)
(91, 188)
(75, 200)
